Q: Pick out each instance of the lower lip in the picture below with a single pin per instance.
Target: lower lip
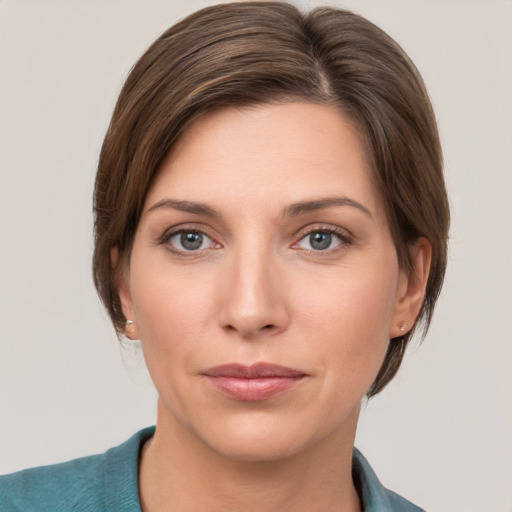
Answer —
(253, 390)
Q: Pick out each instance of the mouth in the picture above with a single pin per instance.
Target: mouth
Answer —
(257, 382)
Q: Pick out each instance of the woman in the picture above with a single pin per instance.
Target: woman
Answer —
(271, 223)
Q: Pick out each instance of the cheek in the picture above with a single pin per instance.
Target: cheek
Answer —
(357, 303)
(172, 312)
(349, 318)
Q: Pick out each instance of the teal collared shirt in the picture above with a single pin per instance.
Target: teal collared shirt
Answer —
(109, 482)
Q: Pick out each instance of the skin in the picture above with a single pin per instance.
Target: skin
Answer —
(259, 289)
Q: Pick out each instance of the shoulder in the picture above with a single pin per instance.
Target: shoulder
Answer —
(375, 497)
(400, 504)
(59, 486)
(86, 484)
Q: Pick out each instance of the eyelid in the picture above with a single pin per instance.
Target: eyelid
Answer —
(330, 228)
(346, 238)
(186, 228)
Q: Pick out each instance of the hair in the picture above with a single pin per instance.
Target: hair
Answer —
(252, 53)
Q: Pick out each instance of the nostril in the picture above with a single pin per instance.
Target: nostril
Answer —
(268, 326)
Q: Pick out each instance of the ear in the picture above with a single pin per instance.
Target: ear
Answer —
(411, 289)
(123, 288)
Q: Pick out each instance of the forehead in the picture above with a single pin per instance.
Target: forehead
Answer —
(268, 154)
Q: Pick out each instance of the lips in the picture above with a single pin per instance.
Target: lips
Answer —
(260, 381)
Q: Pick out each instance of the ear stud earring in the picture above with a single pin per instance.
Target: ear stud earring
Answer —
(403, 326)
(128, 324)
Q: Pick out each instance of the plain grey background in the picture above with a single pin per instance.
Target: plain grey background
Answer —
(440, 434)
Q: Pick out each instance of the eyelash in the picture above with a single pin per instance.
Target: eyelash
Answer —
(345, 239)
(168, 235)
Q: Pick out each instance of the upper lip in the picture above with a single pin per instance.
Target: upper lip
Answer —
(255, 371)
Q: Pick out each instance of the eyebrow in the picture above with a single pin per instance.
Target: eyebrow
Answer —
(185, 206)
(302, 207)
(294, 209)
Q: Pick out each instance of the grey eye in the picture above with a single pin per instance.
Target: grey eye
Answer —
(190, 241)
(320, 241)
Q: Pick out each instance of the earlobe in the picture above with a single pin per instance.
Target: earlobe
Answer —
(130, 330)
(411, 289)
(123, 288)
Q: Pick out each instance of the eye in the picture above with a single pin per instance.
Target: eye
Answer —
(189, 240)
(321, 240)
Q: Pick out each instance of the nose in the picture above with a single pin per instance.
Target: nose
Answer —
(254, 296)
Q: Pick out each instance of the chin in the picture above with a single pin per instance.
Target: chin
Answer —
(256, 448)
(264, 439)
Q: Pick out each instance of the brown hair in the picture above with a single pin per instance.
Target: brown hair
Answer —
(249, 53)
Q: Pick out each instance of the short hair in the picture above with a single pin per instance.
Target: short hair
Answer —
(252, 53)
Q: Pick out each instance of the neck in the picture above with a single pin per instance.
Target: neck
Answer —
(179, 472)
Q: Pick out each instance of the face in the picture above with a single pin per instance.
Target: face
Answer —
(263, 281)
